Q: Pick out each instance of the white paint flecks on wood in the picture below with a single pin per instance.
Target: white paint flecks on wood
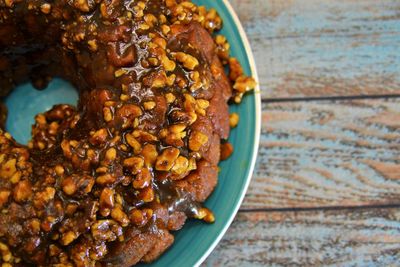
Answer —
(311, 238)
(327, 153)
(309, 48)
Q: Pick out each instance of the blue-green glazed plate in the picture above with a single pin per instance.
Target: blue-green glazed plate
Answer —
(197, 239)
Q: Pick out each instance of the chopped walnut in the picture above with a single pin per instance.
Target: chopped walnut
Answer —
(197, 140)
(22, 191)
(106, 201)
(233, 120)
(119, 215)
(143, 179)
(106, 230)
(166, 160)
(188, 61)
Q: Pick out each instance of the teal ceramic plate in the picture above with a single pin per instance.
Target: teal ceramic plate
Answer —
(196, 240)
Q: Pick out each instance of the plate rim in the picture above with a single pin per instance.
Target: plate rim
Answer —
(257, 131)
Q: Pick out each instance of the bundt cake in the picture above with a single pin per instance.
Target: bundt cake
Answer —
(105, 183)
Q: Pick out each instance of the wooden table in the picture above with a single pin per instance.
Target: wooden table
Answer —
(326, 189)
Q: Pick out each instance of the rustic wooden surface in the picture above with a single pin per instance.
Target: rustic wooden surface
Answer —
(314, 48)
(326, 188)
(368, 237)
(327, 153)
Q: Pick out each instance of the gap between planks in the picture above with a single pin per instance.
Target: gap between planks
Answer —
(320, 208)
(327, 98)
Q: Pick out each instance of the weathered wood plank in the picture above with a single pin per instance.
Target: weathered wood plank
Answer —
(309, 48)
(328, 153)
(311, 238)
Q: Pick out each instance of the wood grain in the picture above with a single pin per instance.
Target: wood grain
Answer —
(311, 238)
(313, 48)
(318, 157)
(327, 153)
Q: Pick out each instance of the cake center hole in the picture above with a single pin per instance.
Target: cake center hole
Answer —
(25, 102)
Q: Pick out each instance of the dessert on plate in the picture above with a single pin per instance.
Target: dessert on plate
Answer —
(106, 182)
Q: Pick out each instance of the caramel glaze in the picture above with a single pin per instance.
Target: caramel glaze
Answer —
(106, 182)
